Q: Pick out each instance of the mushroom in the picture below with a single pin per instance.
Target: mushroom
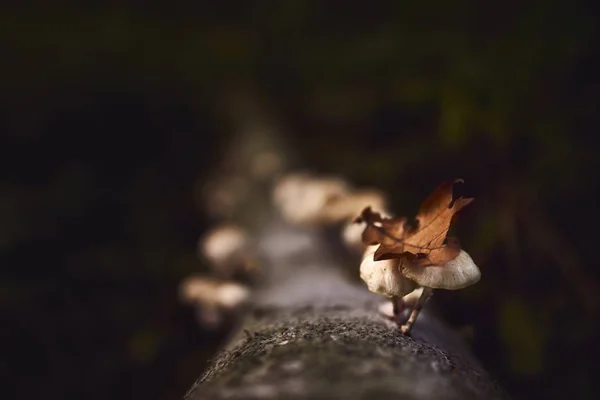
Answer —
(409, 285)
(213, 292)
(220, 243)
(216, 299)
(227, 248)
(384, 277)
(306, 200)
(456, 274)
(425, 255)
(302, 199)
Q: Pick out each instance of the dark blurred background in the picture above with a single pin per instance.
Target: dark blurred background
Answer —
(112, 116)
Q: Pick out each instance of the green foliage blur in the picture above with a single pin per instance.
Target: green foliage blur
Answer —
(110, 118)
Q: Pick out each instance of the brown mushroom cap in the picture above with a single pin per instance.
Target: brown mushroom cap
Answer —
(456, 274)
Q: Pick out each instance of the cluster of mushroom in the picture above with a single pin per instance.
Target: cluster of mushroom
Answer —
(218, 297)
(406, 263)
(409, 286)
(307, 200)
(400, 262)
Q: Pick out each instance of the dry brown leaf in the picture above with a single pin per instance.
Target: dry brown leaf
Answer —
(422, 245)
(380, 229)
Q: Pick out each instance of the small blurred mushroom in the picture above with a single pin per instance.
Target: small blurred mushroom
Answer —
(213, 292)
(227, 248)
(307, 200)
(302, 199)
(219, 244)
(215, 300)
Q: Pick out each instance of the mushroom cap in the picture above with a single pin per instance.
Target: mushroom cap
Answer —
(384, 277)
(456, 274)
(221, 243)
(211, 292)
(232, 294)
(302, 199)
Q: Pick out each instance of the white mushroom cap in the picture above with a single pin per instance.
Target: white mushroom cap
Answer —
(232, 294)
(384, 277)
(221, 243)
(302, 199)
(213, 293)
(456, 274)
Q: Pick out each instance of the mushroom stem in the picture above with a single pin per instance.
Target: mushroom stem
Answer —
(427, 292)
(399, 306)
